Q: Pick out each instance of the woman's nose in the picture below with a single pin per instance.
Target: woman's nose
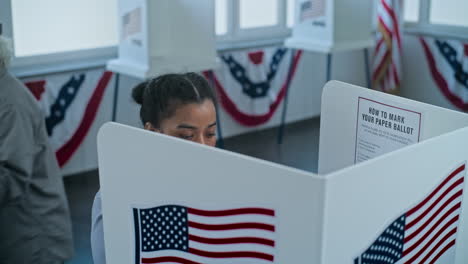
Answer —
(200, 140)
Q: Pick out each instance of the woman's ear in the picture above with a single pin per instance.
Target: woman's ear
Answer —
(150, 127)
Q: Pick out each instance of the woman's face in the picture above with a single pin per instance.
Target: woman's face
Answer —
(195, 122)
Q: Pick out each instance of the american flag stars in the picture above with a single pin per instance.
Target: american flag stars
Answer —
(164, 227)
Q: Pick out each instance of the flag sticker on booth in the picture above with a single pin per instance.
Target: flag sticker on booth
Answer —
(426, 233)
(131, 23)
(311, 9)
(180, 234)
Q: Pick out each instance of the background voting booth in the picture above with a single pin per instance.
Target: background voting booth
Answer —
(165, 36)
(168, 200)
(329, 26)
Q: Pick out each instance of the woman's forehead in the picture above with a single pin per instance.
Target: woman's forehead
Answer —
(194, 114)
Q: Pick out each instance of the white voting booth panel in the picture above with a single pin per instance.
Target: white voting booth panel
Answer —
(140, 168)
(339, 120)
(163, 36)
(332, 25)
(340, 216)
(361, 201)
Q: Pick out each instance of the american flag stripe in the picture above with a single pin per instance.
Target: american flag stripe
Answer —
(444, 196)
(442, 251)
(246, 246)
(434, 233)
(381, 68)
(395, 69)
(201, 256)
(231, 254)
(437, 189)
(379, 45)
(187, 258)
(387, 33)
(387, 62)
(232, 240)
(394, 21)
(231, 226)
(438, 223)
(231, 212)
(420, 258)
(448, 201)
(169, 260)
(263, 234)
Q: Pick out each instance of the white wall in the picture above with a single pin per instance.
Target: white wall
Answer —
(304, 97)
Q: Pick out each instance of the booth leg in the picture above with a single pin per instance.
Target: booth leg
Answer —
(116, 97)
(367, 69)
(285, 103)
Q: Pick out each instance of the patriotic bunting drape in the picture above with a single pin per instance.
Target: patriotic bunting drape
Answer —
(448, 64)
(251, 84)
(387, 72)
(70, 103)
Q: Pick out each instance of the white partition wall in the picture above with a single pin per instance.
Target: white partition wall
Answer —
(405, 205)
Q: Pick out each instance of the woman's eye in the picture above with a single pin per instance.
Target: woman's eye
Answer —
(186, 136)
(210, 135)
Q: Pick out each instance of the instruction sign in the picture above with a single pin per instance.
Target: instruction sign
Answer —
(382, 128)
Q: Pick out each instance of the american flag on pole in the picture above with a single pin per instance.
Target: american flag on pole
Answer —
(387, 71)
(311, 9)
(179, 234)
(425, 233)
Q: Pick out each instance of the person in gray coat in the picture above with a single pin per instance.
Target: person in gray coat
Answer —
(35, 224)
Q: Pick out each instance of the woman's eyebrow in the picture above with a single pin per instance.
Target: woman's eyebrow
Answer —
(212, 125)
(186, 126)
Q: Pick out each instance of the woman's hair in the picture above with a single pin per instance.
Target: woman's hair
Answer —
(160, 97)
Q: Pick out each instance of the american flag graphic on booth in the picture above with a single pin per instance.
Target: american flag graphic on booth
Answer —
(425, 232)
(311, 9)
(180, 234)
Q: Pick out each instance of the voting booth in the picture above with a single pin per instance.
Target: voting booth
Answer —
(332, 25)
(165, 36)
(390, 189)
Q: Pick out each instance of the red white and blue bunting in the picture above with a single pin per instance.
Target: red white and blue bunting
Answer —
(251, 84)
(70, 103)
(448, 64)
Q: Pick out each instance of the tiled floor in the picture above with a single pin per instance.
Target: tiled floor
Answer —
(299, 150)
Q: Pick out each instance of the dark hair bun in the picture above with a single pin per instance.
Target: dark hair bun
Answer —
(138, 92)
